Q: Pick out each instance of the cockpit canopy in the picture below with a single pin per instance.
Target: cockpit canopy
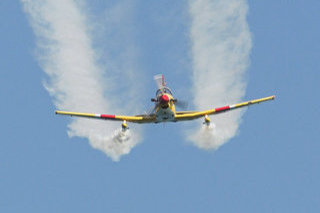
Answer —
(163, 90)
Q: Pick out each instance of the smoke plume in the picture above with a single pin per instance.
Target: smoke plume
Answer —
(221, 44)
(76, 81)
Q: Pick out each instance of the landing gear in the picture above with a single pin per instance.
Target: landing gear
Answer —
(124, 126)
(206, 120)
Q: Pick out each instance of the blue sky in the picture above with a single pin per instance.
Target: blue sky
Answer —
(271, 166)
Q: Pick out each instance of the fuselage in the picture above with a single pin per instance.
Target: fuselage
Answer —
(165, 111)
(165, 108)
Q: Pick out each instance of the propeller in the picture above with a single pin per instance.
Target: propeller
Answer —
(151, 110)
(181, 104)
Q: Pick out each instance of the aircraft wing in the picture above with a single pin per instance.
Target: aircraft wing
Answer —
(190, 115)
(133, 119)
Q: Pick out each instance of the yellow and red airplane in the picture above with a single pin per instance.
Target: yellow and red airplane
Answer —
(164, 109)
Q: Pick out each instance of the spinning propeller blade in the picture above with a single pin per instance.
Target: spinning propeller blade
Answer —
(151, 110)
(181, 104)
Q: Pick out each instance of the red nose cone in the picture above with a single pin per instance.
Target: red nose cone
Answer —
(164, 98)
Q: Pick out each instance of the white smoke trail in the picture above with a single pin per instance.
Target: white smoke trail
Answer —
(221, 44)
(65, 53)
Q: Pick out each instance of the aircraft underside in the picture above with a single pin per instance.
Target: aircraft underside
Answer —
(165, 115)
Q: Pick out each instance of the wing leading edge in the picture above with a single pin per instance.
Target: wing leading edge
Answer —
(180, 116)
(134, 119)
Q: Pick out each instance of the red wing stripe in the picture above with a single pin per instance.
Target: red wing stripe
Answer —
(107, 116)
(221, 109)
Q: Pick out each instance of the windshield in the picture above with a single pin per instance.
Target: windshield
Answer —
(165, 90)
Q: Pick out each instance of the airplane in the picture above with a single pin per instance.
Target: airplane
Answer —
(164, 109)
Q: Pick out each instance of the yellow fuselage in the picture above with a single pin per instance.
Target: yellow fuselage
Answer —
(166, 110)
